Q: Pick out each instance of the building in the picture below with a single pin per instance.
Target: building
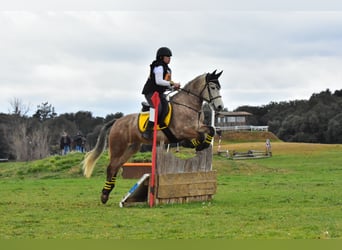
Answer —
(227, 120)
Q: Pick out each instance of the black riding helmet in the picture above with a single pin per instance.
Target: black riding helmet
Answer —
(163, 51)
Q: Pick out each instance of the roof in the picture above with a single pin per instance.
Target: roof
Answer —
(229, 113)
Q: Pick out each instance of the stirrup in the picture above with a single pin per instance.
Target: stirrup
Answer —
(147, 134)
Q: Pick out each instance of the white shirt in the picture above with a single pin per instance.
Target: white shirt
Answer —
(158, 72)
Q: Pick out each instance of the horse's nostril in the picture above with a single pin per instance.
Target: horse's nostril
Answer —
(219, 108)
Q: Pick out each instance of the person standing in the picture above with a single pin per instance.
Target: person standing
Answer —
(268, 147)
(65, 143)
(79, 142)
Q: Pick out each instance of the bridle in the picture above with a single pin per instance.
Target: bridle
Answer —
(211, 98)
(200, 96)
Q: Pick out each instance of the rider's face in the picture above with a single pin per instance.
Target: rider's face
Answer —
(167, 59)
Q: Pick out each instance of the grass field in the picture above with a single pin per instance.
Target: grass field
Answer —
(296, 194)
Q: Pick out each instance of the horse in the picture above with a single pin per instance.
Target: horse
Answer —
(186, 126)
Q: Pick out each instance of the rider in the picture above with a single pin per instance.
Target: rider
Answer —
(159, 80)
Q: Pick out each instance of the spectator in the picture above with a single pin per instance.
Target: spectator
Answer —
(268, 147)
(79, 142)
(65, 143)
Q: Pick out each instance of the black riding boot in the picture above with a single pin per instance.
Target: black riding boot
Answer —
(148, 133)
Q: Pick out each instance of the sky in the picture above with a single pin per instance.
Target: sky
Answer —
(81, 56)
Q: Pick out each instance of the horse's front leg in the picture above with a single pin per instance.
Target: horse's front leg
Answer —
(210, 132)
(193, 143)
(201, 138)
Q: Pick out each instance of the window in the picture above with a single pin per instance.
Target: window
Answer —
(241, 119)
(231, 119)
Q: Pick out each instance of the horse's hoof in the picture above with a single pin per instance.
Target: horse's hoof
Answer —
(104, 198)
(202, 146)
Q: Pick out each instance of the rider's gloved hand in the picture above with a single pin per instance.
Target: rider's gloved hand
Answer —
(175, 85)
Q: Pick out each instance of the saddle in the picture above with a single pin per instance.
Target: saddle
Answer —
(144, 116)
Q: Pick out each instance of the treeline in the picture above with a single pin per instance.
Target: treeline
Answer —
(317, 120)
(26, 138)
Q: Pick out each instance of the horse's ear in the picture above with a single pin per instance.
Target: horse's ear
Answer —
(213, 76)
(219, 74)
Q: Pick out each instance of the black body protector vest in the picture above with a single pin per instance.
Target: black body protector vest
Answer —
(150, 85)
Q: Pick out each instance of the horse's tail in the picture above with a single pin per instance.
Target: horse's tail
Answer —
(92, 156)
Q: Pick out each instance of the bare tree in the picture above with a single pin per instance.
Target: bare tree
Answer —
(19, 140)
(29, 139)
(18, 107)
(39, 144)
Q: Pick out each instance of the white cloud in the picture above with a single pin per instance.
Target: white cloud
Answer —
(156, 5)
(99, 60)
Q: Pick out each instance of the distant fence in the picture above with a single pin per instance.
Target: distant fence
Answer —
(250, 154)
(243, 128)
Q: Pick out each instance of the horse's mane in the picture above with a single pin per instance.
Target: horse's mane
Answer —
(193, 81)
(202, 79)
(188, 86)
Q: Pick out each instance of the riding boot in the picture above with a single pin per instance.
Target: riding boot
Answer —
(148, 133)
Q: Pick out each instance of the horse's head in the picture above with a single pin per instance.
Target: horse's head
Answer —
(205, 87)
(211, 92)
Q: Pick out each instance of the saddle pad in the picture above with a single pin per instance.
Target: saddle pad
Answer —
(144, 117)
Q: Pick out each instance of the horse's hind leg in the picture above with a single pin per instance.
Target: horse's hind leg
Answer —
(113, 168)
(109, 184)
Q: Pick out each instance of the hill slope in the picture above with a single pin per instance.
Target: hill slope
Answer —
(248, 136)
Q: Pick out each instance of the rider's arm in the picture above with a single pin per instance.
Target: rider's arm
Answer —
(158, 72)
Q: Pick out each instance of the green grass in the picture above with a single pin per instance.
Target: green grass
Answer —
(296, 194)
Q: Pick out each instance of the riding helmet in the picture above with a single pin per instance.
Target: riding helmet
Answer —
(163, 51)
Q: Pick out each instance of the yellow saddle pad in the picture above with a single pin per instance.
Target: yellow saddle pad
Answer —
(144, 117)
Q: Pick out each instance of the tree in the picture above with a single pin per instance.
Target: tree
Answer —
(302, 120)
(83, 121)
(290, 127)
(56, 127)
(110, 117)
(334, 132)
(45, 112)
(5, 129)
(28, 139)
(18, 107)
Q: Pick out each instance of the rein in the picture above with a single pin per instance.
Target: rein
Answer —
(199, 112)
(200, 96)
(181, 104)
